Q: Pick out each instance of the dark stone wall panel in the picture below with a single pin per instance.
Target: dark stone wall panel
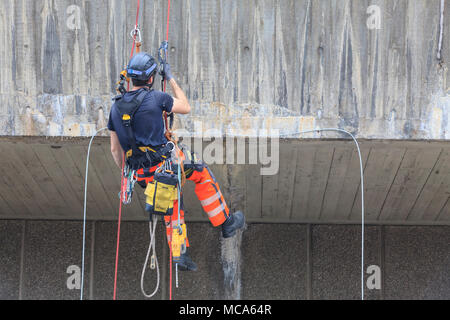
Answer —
(50, 248)
(336, 261)
(274, 262)
(417, 262)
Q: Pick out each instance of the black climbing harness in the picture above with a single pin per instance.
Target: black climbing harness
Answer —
(138, 156)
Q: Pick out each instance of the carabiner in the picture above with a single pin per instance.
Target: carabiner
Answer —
(173, 145)
(136, 34)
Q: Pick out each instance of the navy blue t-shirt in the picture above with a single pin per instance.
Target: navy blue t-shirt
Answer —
(148, 123)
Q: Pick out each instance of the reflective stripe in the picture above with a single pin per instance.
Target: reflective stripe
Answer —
(210, 200)
(216, 211)
(175, 223)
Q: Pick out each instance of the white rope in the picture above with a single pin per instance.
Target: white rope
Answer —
(84, 212)
(151, 246)
(362, 194)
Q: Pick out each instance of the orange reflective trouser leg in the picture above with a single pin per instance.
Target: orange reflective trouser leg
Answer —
(208, 193)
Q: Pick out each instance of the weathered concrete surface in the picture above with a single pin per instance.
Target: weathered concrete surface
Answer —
(262, 64)
(278, 261)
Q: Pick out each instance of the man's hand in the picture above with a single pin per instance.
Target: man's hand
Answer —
(167, 73)
(180, 102)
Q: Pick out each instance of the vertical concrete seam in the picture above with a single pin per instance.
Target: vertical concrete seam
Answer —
(358, 190)
(92, 265)
(392, 183)
(22, 256)
(425, 184)
(442, 210)
(308, 262)
(326, 184)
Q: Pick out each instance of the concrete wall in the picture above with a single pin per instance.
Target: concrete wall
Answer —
(246, 65)
(278, 261)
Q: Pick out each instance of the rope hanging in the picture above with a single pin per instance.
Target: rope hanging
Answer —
(123, 166)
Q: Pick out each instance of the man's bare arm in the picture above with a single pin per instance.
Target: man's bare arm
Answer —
(116, 149)
(180, 102)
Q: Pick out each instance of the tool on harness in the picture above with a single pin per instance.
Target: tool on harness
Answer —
(179, 236)
(121, 83)
(130, 179)
(162, 192)
(191, 162)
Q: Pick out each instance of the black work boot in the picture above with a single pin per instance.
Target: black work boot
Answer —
(185, 262)
(234, 222)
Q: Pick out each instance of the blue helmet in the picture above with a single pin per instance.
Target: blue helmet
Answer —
(141, 67)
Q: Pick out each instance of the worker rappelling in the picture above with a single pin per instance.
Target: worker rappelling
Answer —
(144, 147)
(138, 131)
(148, 153)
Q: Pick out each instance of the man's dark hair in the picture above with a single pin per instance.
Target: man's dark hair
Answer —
(139, 83)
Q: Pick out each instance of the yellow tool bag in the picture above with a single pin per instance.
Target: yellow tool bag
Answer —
(179, 236)
(161, 193)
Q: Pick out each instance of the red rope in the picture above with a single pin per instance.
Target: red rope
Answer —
(122, 180)
(170, 259)
(122, 177)
(165, 119)
(134, 36)
(137, 14)
(167, 32)
(168, 21)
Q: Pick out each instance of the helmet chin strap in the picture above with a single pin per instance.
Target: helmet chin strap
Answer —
(150, 85)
